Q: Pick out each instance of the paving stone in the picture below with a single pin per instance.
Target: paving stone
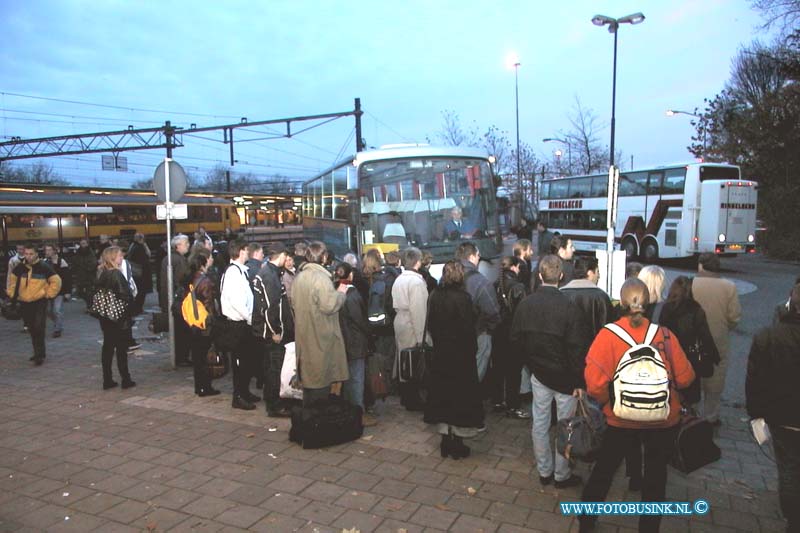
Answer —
(188, 480)
(115, 484)
(144, 491)
(393, 526)
(734, 520)
(77, 522)
(508, 513)
(357, 520)
(429, 495)
(160, 519)
(466, 523)
(395, 509)
(175, 498)
(429, 478)
(494, 492)
(249, 495)
(207, 507)
(432, 517)
(462, 503)
(322, 513)
(242, 516)
(357, 500)
(218, 487)
(324, 492)
(290, 483)
(394, 488)
(199, 525)
(284, 502)
(126, 512)
(359, 481)
(278, 522)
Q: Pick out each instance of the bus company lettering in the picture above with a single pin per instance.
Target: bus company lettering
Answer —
(737, 206)
(566, 204)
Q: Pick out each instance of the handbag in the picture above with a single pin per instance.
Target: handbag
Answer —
(12, 308)
(326, 423)
(415, 362)
(288, 374)
(376, 377)
(581, 435)
(227, 334)
(694, 445)
(106, 304)
(701, 360)
(217, 364)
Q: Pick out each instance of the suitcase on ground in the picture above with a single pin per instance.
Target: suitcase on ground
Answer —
(414, 364)
(326, 423)
(694, 445)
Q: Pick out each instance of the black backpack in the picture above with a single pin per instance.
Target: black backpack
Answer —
(380, 310)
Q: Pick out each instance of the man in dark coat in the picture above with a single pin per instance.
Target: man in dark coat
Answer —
(84, 267)
(272, 327)
(548, 328)
(139, 258)
(591, 299)
(773, 372)
(565, 250)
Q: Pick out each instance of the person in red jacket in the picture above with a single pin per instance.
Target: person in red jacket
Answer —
(657, 437)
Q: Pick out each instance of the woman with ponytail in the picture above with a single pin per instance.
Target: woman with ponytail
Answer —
(622, 434)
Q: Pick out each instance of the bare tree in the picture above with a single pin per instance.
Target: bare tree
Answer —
(453, 133)
(783, 13)
(588, 154)
(38, 173)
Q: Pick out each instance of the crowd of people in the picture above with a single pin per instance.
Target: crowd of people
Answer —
(532, 344)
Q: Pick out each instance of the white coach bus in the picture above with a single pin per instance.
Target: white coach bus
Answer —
(675, 211)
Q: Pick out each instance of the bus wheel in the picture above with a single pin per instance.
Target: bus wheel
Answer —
(650, 251)
(629, 245)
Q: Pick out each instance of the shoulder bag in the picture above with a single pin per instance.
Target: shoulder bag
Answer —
(106, 304)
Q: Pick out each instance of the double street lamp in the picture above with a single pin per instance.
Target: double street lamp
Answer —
(513, 61)
(613, 26)
(673, 112)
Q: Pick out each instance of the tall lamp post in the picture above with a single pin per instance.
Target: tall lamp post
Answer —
(565, 143)
(673, 112)
(514, 61)
(613, 173)
(613, 26)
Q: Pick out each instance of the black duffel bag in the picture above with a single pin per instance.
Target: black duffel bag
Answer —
(694, 445)
(326, 423)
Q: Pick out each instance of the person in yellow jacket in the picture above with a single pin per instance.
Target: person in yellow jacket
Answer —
(34, 283)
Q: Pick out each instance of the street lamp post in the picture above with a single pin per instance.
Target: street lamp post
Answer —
(613, 173)
(613, 26)
(565, 143)
(673, 112)
(519, 164)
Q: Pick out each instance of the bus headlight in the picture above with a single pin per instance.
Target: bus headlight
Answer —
(751, 238)
(721, 237)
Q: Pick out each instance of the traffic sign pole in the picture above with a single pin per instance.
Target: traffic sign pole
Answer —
(170, 280)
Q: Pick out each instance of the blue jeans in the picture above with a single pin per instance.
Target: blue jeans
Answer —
(353, 388)
(540, 432)
(483, 355)
(56, 312)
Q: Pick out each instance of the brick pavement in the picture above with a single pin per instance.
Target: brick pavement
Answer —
(155, 458)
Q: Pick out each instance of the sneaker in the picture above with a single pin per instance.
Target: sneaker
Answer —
(546, 480)
(482, 428)
(127, 384)
(134, 346)
(499, 407)
(520, 414)
(572, 481)
(240, 403)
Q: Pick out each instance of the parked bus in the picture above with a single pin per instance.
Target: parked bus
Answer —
(406, 195)
(675, 211)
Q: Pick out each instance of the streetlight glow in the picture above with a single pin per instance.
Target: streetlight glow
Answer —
(512, 60)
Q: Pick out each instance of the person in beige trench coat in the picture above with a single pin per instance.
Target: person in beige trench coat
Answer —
(321, 356)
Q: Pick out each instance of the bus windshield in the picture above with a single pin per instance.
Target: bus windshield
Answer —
(433, 203)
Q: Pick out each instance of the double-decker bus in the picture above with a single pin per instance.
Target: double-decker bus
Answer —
(674, 211)
(406, 195)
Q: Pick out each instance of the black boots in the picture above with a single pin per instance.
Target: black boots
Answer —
(454, 447)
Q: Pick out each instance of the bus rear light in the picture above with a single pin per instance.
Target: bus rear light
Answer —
(696, 239)
(719, 249)
(751, 249)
